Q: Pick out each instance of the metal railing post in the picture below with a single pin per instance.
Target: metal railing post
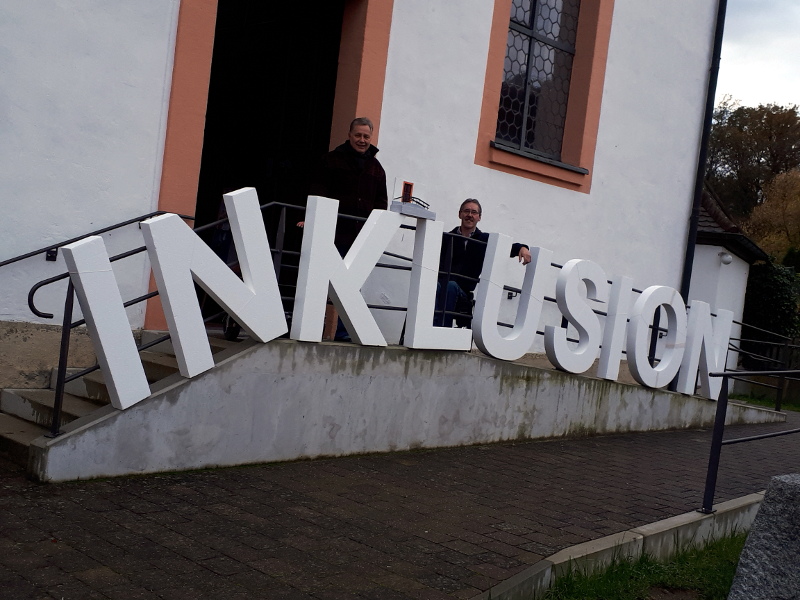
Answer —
(277, 259)
(654, 336)
(445, 289)
(66, 328)
(716, 449)
(784, 354)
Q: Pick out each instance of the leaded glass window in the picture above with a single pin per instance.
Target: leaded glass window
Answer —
(536, 76)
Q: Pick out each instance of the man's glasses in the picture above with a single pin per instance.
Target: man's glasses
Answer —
(470, 211)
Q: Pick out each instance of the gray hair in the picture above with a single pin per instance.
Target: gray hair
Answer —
(471, 201)
(361, 121)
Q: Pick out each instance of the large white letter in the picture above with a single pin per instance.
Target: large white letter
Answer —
(420, 332)
(323, 272)
(706, 347)
(639, 336)
(571, 303)
(112, 339)
(179, 256)
(614, 329)
(490, 293)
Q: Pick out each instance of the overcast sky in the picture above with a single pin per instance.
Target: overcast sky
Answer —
(761, 52)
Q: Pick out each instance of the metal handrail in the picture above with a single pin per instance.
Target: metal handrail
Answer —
(278, 252)
(62, 379)
(80, 237)
(50, 280)
(719, 430)
(780, 335)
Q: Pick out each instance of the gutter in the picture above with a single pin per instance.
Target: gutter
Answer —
(713, 75)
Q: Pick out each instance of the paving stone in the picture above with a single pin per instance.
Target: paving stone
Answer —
(424, 525)
(131, 593)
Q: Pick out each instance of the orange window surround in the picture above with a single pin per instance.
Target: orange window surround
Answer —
(583, 110)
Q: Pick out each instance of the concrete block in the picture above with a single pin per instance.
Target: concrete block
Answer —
(663, 539)
(530, 584)
(287, 400)
(768, 564)
(597, 554)
(737, 515)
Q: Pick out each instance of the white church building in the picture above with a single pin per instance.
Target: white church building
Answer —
(576, 123)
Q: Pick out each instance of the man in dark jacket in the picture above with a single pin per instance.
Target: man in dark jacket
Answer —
(463, 259)
(351, 174)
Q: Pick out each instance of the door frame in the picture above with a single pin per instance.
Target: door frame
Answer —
(359, 92)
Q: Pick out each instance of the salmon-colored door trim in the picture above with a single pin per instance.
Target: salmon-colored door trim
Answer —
(186, 121)
(359, 92)
(363, 54)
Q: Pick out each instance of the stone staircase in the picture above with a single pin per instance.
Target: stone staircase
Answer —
(26, 414)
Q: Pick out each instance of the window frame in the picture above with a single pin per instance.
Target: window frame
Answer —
(532, 37)
(574, 170)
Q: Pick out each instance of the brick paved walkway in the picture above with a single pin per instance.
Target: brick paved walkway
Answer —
(418, 525)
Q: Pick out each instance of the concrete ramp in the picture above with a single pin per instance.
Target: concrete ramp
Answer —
(289, 400)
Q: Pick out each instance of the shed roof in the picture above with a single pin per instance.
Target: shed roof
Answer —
(716, 228)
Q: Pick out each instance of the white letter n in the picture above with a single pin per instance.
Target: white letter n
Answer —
(179, 256)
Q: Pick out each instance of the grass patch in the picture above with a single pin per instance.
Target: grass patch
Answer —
(762, 400)
(708, 571)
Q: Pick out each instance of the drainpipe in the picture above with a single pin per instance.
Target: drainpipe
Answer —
(691, 241)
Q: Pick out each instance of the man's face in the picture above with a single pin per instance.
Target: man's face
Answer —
(470, 215)
(360, 137)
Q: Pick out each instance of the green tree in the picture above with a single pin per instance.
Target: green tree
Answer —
(770, 304)
(748, 147)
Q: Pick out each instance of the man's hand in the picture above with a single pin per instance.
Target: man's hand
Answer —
(524, 255)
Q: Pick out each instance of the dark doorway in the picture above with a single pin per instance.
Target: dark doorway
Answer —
(268, 120)
(270, 99)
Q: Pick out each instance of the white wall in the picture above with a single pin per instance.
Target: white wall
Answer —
(83, 109)
(84, 101)
(722, 286)
(289, 400)
(635, 219)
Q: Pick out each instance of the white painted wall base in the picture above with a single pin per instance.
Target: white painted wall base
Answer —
(287, 400)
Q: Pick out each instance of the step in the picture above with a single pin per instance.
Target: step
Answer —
(16, 436)
(215, 340)
(91, 387)
(36, 406)
(157, 366)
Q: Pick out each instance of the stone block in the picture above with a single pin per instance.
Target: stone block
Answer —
(768, 564)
